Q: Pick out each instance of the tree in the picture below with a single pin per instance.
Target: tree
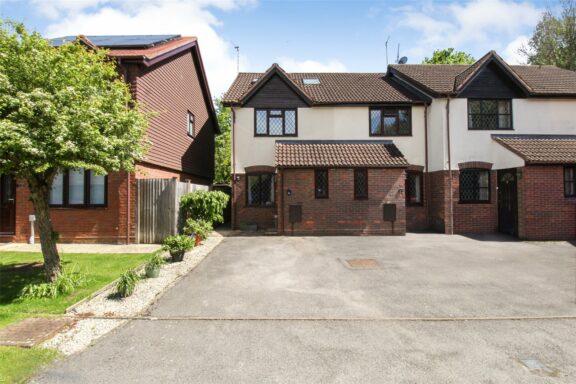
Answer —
(449, 56)
(554, 39)
(62, 108)
(223, 153)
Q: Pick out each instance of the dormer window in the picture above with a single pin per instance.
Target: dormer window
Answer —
(275, 122)
(486, 114)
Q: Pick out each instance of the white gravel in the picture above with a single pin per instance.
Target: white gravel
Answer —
(87, 329)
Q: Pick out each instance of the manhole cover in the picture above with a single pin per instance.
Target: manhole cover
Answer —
(32, 331)
(361, 264)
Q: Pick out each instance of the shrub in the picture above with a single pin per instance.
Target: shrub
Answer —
(178, 243)
(155, 261)
(66, 283)
(127, 283)
(202, 205)
(201, 228)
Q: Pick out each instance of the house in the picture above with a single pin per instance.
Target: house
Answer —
(482, 148)
(166, 75)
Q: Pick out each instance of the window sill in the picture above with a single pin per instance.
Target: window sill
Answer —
(405, 135)
(414, 204)
(257, 135)
(261, 206)
(75, 207)
(490, 129)
(474, 202)
(361, 198)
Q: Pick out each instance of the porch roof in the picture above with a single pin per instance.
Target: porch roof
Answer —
(541, 149)
(338, 153)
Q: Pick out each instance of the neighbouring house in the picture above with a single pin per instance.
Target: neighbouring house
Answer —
(166, 75)
(480, 148)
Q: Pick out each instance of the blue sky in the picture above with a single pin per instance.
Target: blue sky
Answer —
(321, 35)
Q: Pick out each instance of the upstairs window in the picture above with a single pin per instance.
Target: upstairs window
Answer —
(78, 188)
(321, 183)
(360, 183)
(570, 181)
(390, 121)
(474, 186)
(489, 114)
(413, 188)
(191, 131)
(261, 190)
(275, 122)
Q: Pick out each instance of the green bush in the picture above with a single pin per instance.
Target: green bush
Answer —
(66, 283)
(201, 228)
(202, 205)
(155, 261)
(127, 283)
(178, 243)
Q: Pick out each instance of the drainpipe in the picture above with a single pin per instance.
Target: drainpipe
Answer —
(451, 232)
(233, 178)
(425, 175)
(128, 201)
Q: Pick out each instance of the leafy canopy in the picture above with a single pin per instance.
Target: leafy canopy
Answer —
(449, 56)
(64, 107)
(554, 39)
(223, 152)
(202, 205)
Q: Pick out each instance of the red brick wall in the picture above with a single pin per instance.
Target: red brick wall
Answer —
(477, 217)
(544, 213)
(417, 216)
(263, 217)
(341, 214)
(87, 225)
(438, 186)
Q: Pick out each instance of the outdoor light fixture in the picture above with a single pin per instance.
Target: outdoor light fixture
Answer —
(288, 192)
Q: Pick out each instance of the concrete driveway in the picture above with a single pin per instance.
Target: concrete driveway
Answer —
(422, 308)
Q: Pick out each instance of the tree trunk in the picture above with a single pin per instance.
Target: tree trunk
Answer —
(39, 195)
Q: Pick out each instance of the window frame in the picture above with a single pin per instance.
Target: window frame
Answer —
(87, 184)
(489, 187)
(573, 181)
(411, 203)
(316, 173)
(259, 175)
(356, 195)
(191, 119)
(511, 114)
(382, 115)
(283, 114)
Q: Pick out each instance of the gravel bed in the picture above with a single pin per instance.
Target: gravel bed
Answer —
(86, 329)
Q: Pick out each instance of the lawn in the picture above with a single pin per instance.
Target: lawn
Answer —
(18, 364)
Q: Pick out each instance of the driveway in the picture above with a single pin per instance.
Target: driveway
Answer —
(420, 308)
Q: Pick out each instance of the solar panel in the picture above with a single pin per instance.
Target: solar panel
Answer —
(119, 41)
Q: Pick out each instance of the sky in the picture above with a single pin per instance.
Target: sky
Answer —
(300, 35)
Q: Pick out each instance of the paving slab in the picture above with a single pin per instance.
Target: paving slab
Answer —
(32, 331)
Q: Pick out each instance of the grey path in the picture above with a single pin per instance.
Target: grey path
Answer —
(84, 248)
(420, 276)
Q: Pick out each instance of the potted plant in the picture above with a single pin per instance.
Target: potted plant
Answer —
(154, 264)
(199, 229)
(177, 246)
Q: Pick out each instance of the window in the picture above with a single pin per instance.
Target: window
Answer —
(321, 183)
(391, 121)
(191, 131)
(78, 188)
(489, 114)
(413, 188)
(474, 186)
(360, 183)
(275, 122)
(570, 181)
(261, 190)
(313, 81)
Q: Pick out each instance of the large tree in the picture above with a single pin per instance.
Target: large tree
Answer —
(223, 143)
(554, 39)
(449, 56)
(62, 108)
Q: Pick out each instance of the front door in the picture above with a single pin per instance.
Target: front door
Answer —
(507, 202)
(7, 204)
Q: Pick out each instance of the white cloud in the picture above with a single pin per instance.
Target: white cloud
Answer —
(292, 65)
(188, 18)
(512, 53)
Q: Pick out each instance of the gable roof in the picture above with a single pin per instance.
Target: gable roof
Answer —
(541, 149)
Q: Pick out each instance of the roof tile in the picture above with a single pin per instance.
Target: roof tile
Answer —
(541, 149)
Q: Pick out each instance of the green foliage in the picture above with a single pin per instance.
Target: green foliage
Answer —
(223, 152)
(155, 261)
(18, 364)
(178, 243)
(449, 56)
(201, 228)
(66, 283)
(554, 39)
(203, 205)
(127, 283)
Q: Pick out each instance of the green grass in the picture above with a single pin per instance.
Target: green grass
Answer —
(18, 364)
(100, 269)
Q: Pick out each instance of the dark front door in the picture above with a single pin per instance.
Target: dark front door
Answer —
(507, 202)
(7, 204)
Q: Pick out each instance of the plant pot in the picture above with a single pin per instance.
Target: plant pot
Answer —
(177, 255)
(154, 272)
(198, 239)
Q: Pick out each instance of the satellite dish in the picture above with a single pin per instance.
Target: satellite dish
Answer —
(403, 60)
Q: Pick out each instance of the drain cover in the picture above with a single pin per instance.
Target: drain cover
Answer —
(361, 264)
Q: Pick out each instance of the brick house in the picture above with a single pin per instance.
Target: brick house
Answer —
(480, 148)
(166, 75)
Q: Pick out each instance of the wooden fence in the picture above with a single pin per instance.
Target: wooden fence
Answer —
(158, 208)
